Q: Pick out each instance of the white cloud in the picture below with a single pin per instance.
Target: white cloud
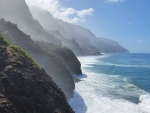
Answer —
(139, 40)
(129, 23)
(85, 12)
(70, 15)
(114, 1)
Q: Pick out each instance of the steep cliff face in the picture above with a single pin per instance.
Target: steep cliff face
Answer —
(48, 21)
(66, 56)
(78, 39)
(18, 13)
(86, 40)
(102, 44)
(24, 86)
(110, 46)
(49, 62)
(69, 43)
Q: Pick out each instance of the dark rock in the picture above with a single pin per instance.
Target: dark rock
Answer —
(27, 88)
(52, 65)
(64, 54)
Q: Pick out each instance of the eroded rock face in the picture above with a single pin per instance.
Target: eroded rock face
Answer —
(69, 60)
(25, 87)
(65, 55)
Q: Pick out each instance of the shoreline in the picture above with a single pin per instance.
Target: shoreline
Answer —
(97, 90)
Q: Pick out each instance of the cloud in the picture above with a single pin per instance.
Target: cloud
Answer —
(114, 1)
(85, 12)
(70, 15)
(129, 23)
(139, 40)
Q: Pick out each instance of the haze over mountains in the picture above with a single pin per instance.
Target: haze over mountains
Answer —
(18, 13)
(56, 33)
(84, 37)
(52, 43)
(80, 40)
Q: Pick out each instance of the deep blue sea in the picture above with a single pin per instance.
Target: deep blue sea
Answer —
(113, 83)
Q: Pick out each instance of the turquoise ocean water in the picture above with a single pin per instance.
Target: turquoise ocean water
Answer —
(113, 83)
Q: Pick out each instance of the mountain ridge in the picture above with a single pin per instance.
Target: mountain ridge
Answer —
(19, 14)
(83, 36)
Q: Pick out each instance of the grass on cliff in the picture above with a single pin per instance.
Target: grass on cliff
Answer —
(50, 46)
(20, 37)
(17, 51)
(3, 41)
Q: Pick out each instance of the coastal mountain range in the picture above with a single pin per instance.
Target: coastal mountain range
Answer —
(84, 37)
(41, 25)
(44, 54)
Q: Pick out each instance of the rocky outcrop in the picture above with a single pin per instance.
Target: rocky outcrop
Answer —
(66, 56)
(24, 86)
(52, 65)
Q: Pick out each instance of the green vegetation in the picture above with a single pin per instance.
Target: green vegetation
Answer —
(50, 46)
(3, 41)
(4, 102)
(24, 38)
(9, 67)
(20, 59)
(19, 52)
(7, 28)
(41, 48)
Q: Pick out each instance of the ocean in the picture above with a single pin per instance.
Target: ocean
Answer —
(113, 83)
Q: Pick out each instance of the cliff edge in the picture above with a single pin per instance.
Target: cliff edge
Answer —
(64, 54)
(24, 86)
(52, 65)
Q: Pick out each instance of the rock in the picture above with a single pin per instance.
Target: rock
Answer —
(65, 55)
(52, 65)
(27, 88)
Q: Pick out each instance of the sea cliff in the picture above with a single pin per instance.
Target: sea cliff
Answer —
(24, 86)
(64, 54)
(52, 65)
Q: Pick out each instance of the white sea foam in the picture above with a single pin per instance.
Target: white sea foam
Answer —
(145, 102)
(86, 61)
(121, 65)
(100, 93)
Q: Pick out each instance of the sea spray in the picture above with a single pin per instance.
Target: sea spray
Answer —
(107, 93)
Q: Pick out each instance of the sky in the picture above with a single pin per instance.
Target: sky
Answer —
(125, 21)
